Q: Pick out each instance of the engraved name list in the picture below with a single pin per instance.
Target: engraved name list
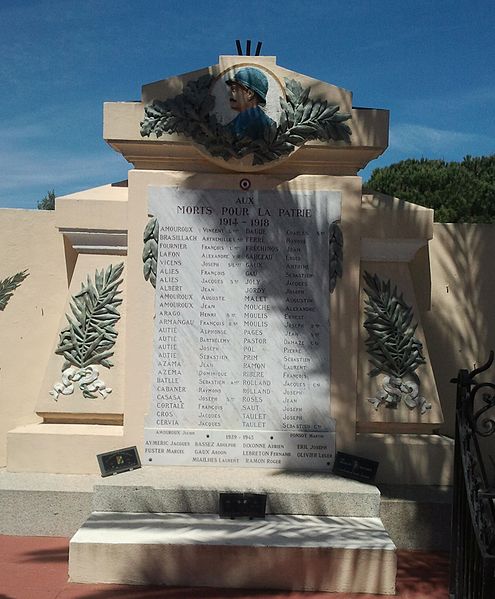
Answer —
(241, 349)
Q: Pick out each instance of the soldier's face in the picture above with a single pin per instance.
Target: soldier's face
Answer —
(241, 98)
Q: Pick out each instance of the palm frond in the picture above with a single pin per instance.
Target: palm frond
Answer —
(9, 285)
(90, 335)
(150, 250)
(392, 347)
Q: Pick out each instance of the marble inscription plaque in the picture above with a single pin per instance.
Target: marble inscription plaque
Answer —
(241, 349)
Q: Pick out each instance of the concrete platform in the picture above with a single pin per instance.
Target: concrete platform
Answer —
(57, 504)
(41, 504)
(45, 447)
(195, 490)
(417, 517)
(37, 567)
(307, 553)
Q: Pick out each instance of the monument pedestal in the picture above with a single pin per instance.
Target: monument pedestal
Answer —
(305, 553)
(158, 525)
(193, 489)
(45, 447)
(411, 459)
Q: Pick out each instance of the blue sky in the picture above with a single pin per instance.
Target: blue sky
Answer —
(430, 63)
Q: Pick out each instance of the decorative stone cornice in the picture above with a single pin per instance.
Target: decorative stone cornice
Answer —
(88, 241)
(171, 152)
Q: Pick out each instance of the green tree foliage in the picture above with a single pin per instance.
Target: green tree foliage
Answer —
(48, 202)
(459, 192)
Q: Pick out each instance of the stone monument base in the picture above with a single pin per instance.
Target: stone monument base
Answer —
(321, 532)
(409, 459)
(406, 459)
(415, 517)
(166, 489)
(305, 553)
(46, 447)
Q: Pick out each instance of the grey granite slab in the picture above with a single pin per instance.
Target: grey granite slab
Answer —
(192, 489)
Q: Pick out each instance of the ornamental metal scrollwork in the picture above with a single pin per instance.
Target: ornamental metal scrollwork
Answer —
(90, 336)
(302, 119)
(484, 426)
(8, 286)
(471, 424)
(392, 348)
(150, 250)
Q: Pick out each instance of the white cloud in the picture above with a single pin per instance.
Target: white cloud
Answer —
(27, 176)
(419, 139)
(459, 104)
(36, 157)
(28, 130)
(23, 170)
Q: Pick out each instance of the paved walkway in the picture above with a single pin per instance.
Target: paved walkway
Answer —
(36, 568)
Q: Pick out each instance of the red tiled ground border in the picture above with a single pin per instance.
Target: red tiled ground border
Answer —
(36, 568)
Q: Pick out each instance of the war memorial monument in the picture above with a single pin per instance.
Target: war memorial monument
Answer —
(239, 311)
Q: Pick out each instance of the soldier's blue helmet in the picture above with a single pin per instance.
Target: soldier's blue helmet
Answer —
(253, 79)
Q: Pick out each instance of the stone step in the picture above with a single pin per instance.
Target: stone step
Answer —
(290, 552)
(195, 490)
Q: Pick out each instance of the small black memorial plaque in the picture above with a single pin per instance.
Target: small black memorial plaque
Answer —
(352, 466)
(119, 460)
(242, 505)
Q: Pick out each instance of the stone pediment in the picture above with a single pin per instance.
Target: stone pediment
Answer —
(246, 114)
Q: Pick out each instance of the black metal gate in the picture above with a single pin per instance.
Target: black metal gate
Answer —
(473, 517)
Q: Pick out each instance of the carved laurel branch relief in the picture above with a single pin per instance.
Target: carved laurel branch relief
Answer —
(89, 338)
(150, 250)
(8, 286)
(392, 348)
(302, 119)
(336, 255)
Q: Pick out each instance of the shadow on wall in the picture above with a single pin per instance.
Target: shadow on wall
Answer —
(343, 301)
(275, 236)
(344, 306)
(460, 327)
(265, 271)
(417, 517)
